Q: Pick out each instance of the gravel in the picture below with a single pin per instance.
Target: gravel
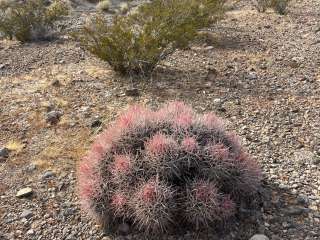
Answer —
(263, 68)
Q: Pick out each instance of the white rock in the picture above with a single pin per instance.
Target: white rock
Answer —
(216, 101)
(30, 232)
(26, 214)
(24, 192)
(259, 237)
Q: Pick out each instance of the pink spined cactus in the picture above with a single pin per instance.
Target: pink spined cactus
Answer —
(158, 170)
(119, 203)
(88, 186)
(219, 152)
(183, 121)
(173, 110)
(204, 191)
(152, 206)
(134, 116)
(211, 121)
(202, 204)
(189, 144)
(159, 144)
(148, 192)
(122, 164)
(227, 207)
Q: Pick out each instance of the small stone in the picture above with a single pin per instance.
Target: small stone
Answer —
(212, 74)
(4, 152)
(26, 214)
(295, 211)
(31, 167)
(24, 192)
(53, 117)
(56, 83)
(303, 199)
(217, 101)
(132, 92)
(316, 160)
(30, 232)
(295, 62)
(47, 174)
(96, 123)
(259, 237)
(208, 48)
(252, 76)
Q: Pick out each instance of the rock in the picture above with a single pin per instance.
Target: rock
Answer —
(31, 167)
(47, 174)
(4, 153)
(217, 101)
(212, 74)
(316, 160)
(56, 83)
(26, 214)
(96, 123)
(295, 211)
(132, 92)
(252, 76)
(24, 192)
(53, 117)
(295, 62)
(30, 232)
(303, 199)
(259, 237)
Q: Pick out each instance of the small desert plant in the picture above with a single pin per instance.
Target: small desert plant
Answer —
(161, 170)
(135, 43)
(29, 20)
(280, 6)
(103, 5)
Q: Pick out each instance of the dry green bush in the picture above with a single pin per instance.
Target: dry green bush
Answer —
(135, 43)
(279, 6)
(103, 5)
(30, 20)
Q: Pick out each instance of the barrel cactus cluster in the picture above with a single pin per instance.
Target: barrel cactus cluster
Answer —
(157, 171)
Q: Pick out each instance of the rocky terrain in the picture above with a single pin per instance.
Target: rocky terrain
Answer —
(259, 71)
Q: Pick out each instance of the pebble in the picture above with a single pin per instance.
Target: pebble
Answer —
(303, 199)
(4, 152)
(53, 117)
(217, 101)
(26, 214)
(259, 237)
(56, 83)
(24, 192)
(132, 92)
(30, 232)
(47, 174)
(252, 76)
(294, 211)
(96, 123)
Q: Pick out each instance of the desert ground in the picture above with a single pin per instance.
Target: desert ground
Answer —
(258, 71)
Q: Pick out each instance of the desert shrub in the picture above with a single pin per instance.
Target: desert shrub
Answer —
(135, 43)
(161, 170)
(30, 20)
(103, 5)
(279, 6)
